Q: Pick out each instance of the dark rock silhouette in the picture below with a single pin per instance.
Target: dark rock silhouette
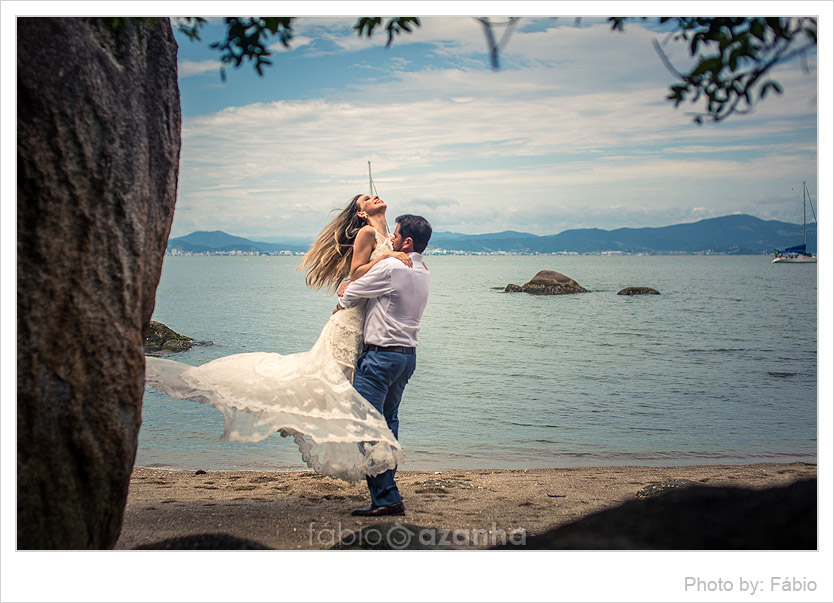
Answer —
(638, 291)
(98, 139)
(205, 542)
(161, 337)
(698, 518)
(547, 282)
(395, 536)
(668, 485)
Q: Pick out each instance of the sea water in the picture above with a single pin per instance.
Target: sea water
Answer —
(719, 368)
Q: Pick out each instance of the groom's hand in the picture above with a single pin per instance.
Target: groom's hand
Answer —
(338, 307)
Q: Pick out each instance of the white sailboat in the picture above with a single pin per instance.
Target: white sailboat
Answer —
(797, 254)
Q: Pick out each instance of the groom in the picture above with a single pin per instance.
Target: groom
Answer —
(397, 296)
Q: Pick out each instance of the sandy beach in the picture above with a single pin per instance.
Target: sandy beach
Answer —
(304, 510)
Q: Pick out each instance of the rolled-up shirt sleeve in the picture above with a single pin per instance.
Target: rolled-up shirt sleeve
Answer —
(376, 282)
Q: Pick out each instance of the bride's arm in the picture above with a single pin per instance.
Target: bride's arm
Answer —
(363, 246)
(361, 262)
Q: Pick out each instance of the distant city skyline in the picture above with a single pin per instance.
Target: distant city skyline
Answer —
(574, 131)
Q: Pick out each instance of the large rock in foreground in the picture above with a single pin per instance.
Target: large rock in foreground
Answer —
(397, 536)
(548, 282)
(697, 518)
(205, 542)
(98, 139)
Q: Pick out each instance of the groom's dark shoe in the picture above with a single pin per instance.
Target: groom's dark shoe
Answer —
(377, 511)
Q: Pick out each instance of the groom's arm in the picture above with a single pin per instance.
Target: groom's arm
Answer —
(376, 282)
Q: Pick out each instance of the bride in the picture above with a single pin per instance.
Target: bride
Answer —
(308, 395)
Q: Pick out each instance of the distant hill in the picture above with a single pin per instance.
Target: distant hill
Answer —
(509, 240)
(217, 241)
(734, 234)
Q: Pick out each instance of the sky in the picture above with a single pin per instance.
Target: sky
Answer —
(572, 131)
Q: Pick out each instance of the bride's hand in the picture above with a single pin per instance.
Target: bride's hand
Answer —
(341, 290)
(399, 255)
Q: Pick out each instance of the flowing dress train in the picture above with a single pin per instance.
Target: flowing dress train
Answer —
(308, 395)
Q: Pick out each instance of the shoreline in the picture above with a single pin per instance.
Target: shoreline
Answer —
(808, 459)
(292, 510)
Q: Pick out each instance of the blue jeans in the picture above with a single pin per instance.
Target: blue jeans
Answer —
(381, 378)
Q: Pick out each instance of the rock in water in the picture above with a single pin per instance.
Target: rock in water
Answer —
(547, 282)
(98, 139)
(638, 291)
(162, 337)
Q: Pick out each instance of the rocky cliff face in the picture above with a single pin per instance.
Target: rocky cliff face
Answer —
(98, 152)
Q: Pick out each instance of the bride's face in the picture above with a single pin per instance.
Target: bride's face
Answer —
(371, 205)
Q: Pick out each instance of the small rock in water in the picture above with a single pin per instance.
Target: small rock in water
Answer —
(160, 337)
(199, 472)
(638, 291)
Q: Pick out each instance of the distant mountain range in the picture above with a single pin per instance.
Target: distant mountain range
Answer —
(219, 242)
(734, 234)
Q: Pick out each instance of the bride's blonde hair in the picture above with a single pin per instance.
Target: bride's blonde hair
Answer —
(328, 262)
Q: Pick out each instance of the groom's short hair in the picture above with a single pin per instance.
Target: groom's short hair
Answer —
(416, 227)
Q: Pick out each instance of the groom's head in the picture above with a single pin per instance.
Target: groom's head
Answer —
(411, 234)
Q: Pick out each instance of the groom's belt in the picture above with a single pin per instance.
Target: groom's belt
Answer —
(393, 348)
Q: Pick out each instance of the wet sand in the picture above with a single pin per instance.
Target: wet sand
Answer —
(304, 510)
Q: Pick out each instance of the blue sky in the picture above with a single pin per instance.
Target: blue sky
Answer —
(573, 131)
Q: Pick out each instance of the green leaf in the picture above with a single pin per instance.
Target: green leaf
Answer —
(617, 23)
(369, 23)
(707, 65)
(696, 40)
(768, 86)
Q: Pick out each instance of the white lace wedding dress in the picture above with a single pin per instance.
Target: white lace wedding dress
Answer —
(308, 395)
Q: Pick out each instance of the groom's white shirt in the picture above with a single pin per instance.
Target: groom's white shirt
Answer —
(396, 295)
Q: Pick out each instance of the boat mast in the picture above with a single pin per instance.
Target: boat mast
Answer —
(804, 235)
(372, 189)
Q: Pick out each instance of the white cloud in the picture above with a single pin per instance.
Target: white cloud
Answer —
(188, 68)
(296, 43)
